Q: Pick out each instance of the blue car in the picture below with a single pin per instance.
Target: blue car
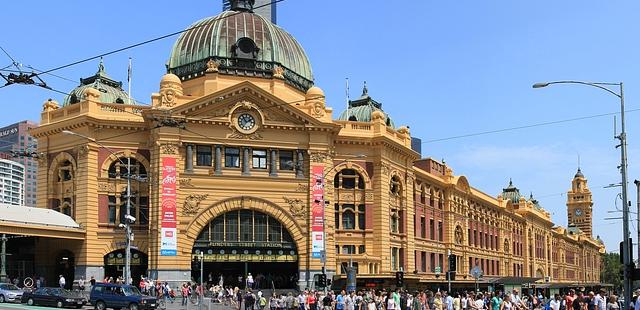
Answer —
(116, 296)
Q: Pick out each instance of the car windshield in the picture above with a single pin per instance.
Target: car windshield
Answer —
(9, 287)
(131, 291)
(59, 292)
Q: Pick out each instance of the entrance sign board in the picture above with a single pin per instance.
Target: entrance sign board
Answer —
(317, 211)
(169, 237)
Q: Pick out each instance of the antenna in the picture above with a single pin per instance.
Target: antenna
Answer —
(615, 131)
(348, 100)
(129, 79)
(578, 161)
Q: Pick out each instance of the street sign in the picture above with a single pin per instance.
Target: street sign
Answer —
(323, 256)
(438, 269)
(476, 272)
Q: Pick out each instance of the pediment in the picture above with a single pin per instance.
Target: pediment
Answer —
(222, 106)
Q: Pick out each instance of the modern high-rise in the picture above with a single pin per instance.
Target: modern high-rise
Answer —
(11, 182)
(15, 142)
(263, 8)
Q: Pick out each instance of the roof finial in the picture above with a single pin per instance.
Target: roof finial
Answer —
(101, 65)
(510, 182)
(365, 91)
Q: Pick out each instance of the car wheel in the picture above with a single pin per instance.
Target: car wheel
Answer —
(133, 307)
(101, 305)
(30, 302)
(1, 298)
(59, 304)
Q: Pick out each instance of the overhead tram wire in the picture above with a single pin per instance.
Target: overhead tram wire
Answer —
(144, 42)
(526, 126)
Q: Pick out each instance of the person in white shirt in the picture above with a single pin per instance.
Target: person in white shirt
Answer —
(449, 301)
(463, 302)
(62, 281)
(554, 304)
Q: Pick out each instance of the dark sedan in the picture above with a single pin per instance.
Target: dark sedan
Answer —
(53, 296)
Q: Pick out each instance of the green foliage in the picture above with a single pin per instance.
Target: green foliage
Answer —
(611, 268)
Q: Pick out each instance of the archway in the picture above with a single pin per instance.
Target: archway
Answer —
(242, 242)
(114, 263)
(65, 266)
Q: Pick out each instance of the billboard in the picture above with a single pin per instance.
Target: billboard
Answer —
(169, 235)
(317, 211)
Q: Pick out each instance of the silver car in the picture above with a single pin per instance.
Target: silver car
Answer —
(10, 293)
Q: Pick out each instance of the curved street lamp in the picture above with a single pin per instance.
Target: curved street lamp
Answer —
(626, 255)
(128, 219)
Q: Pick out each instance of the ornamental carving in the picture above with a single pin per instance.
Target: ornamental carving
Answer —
(42, 159)
(168, 97)
(235, 134)
(302, 188)
(296, 206)
(212, 66)
(368, 196)
(223, 111)
(318, 110)
(319, 157)
(169, 148)
(185, 182)
(458, 235)
(106, 187)
(385, 168)
(347, 197)
(278, 72)
(192, 204)
(82, 150)
(506, 246)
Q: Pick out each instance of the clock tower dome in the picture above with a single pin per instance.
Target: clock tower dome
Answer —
(580, 204)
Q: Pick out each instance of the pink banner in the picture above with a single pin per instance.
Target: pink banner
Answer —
(169, 237)
(317, 211)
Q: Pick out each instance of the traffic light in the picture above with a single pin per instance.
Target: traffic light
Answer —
(452, 262)
(451, 275)
(323, 280)
(399, 279)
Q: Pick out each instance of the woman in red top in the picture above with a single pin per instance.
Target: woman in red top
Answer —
(311, 301)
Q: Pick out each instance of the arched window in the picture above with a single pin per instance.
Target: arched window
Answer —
(63, 188)
(236, 227)
(395, 186)
(348, 179)
(347, 216)
(118, 173)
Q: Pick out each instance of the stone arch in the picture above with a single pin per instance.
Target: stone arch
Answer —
(104, 167)
(539, 273)
(112, 246)
(199, 221)
(463, 184)
(59, 158)
(349, 165)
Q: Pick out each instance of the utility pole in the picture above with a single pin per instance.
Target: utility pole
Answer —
(3, 255)
(637, 183)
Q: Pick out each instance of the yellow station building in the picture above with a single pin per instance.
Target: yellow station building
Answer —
(239, 157)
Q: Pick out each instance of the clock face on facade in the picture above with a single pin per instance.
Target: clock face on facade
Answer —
(578, 212)
(246, 121)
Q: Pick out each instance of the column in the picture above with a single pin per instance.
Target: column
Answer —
(300, 164)
(188, 166)
(245, 161)
(273, 169)
(218, 160)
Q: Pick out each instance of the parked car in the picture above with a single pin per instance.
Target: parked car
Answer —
(116, 296)
(10, 293)
(53, 296)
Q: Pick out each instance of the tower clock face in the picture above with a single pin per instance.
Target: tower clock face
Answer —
(578, 212)
(246, 121)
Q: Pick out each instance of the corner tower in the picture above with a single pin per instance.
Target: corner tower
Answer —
(580, 204)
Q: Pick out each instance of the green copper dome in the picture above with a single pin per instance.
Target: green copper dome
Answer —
(241, 43)
(511, 193)
(110, 90)
(360, 110)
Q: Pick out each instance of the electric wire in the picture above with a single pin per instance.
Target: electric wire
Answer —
(145, 42)
(526, 126)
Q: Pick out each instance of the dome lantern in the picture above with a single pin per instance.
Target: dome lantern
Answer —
(109, 90)
(364, 109)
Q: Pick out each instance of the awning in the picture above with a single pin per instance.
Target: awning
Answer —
(40, 222)
(514, 280)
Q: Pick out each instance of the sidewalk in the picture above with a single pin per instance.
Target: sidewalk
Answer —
(206, 305)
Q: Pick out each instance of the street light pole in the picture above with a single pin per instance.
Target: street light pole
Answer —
(127, 217)
(627, 247)
(3, 256)
(637, 183)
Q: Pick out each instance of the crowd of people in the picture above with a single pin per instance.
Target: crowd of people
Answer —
(423, 300)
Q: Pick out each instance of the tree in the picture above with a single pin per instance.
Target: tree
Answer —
(611, 270)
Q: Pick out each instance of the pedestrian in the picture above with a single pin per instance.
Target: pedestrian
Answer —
(249, 281)
(81, 283)
(506, 303)
(273, 302)
(184, 290)
(249, 300)
(613, 303)
(62, 282)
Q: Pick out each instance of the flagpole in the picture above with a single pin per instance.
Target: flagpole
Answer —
(129, 79)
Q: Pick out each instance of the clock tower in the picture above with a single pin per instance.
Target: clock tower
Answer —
(580, 204)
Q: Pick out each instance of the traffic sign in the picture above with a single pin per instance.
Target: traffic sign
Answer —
(476, 272)
(438, 269)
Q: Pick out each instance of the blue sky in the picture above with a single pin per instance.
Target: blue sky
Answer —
(445, 68)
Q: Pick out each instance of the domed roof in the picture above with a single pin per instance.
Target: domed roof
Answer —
(241, 43)
(579, 174)
(511, 193)
(361, 109)
(110, 90)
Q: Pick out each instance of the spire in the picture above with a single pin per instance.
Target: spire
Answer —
(365, 90)
(579, 174)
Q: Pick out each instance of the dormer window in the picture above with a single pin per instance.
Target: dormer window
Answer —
(245, 48)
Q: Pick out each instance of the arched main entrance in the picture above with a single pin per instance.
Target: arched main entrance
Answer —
(242, 242)
(65, 266)
(114, 264)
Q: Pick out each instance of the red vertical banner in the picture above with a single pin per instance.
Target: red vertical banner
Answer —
(317, 211)
(169, 237)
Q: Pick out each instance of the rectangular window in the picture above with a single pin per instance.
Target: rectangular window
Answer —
(337, 216)
(260, 227)
(231, 229)
(246, 226)
(231, 157)
(394, 259)
(423, 227)
(432, 260)
(217, 229)
(441, 262)
(286, 160)
(349, 249)
(362, 222)
(275, 229)
(259, 158)
(112, 209)
(423, 261)
(203, 155)
(432, 229)
(401, 216)
(440, 232)
(362, 249)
